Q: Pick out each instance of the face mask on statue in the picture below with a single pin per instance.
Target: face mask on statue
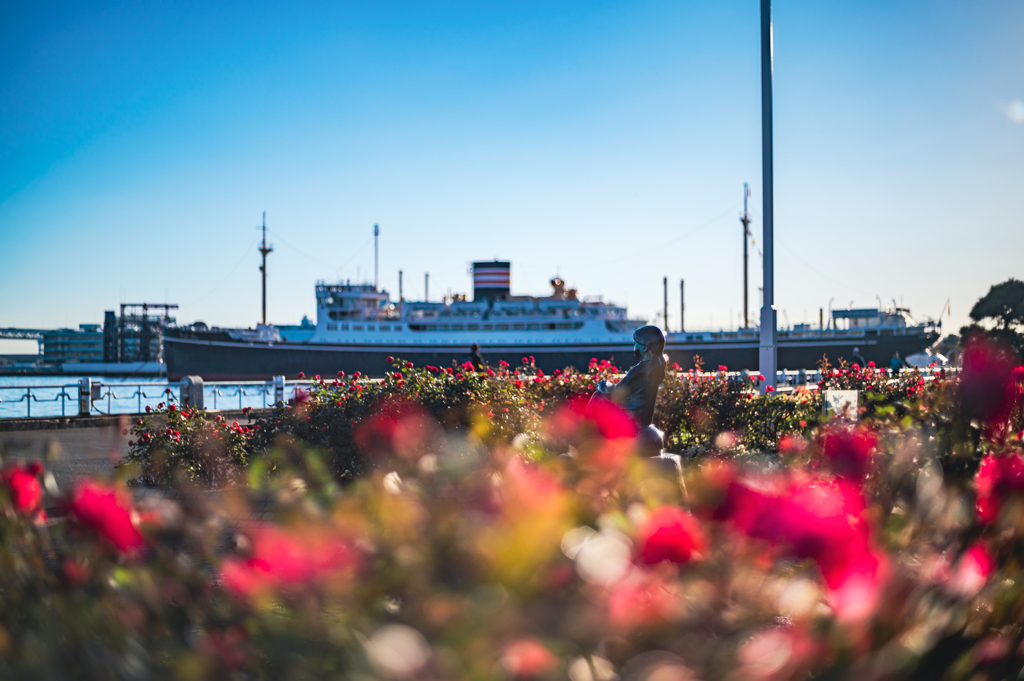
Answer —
(639, 350)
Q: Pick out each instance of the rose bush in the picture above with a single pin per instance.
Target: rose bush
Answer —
(463, 551)
(496, 404)
(700, 414)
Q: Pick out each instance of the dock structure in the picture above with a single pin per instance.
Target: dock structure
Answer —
(130, 342)
(136, 336)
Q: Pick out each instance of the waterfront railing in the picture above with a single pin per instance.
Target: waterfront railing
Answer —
(92, 397)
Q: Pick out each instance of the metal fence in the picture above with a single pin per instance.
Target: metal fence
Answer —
(93, 397)
(787, 379)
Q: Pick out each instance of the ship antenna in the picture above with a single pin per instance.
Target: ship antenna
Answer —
(745, 220)
(376, 234)
(264, 249)
(664, 285)
(682, 305)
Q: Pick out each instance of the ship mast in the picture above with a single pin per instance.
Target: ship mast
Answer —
(682, 305)
(745, 221)
(376, 234)
(264, 250)
(664, 285)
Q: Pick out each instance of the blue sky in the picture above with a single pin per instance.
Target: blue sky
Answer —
(605, 141)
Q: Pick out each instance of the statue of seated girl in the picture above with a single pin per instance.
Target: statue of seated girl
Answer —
(637, 392)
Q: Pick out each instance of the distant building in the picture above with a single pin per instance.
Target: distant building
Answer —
(137, 335)
(84, 344)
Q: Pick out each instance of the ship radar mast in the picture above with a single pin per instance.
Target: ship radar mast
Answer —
(264, 250)
(745, 221)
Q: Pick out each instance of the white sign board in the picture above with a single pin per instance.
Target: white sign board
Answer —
(842, 403)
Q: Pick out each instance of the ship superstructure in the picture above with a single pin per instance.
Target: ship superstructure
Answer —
(360, 314)
(359, 325)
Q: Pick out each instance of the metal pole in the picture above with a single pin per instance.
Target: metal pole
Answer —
(745, 220)
(664, 286)
(426, 287)
(376, 234)
(682, 305)
(401, 297)
(768, 347)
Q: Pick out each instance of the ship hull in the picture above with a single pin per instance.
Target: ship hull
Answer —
(214, 357)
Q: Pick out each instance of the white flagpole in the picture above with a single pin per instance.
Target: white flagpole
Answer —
(768, 347)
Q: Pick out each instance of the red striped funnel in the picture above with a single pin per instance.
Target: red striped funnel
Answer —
(491, 279)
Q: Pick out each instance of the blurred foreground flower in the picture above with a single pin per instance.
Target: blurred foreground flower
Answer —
(398, 651)
(817, 518)
(22, 482)
(998, 477)
(988, 389)
(292, 558)
(973, 570)
(670, 534)
(106, 512)
(849, 450)
(527, 659)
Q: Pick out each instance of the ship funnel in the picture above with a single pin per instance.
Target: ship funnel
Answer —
(491, 279)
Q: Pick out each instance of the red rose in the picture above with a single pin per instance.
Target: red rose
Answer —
(22, 484)
(816, 518)
(997, 478)
(287, 559)
(670, 534)
(97, 507)
(849, 450)
(390, 359)
(612, 421)
(987, 385)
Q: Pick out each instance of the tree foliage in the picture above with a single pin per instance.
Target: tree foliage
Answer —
(1004, 304)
